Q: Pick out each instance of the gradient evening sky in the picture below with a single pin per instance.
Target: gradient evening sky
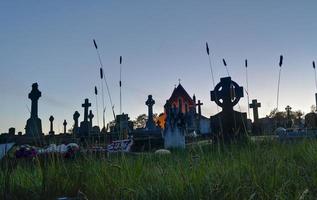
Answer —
(50, 42)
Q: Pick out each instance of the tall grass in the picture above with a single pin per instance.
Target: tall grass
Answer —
(265, 170)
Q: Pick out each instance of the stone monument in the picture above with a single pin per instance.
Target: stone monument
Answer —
(85, 125)
(75, 118)
(229, 124)
(256, 126)
(150, 124)
(289, 122)
(11, 131)
(175, 125)
(51, 126)
(34, 125)
(255, 105)
(65, 125)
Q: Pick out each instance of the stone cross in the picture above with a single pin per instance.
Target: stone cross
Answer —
(76, 117)
(150, 122)
(229, 124)
(51, 125)
(86, 105)
(255, 105)
(65, 124)
(90, 116)
(289, 121)
(34, 95)
(229, 92)
(288, 111)
(34, 125)
(199, 104)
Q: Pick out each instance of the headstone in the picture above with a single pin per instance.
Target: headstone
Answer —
(122, 126)
(288, 115)
(76, 116)
(150, 124)
(198, 117)
(65, 124)
(256, 127)
(174, 132)
(255, 105)
(288, 110)
(85, 125)
(51, 125)
(311, 120)
(228, 125)
(11, 131)
(34, 124)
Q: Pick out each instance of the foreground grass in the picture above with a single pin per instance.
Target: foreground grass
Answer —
(266, 170)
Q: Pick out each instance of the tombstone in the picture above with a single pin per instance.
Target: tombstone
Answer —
(11, 131)
(198, 117)
(150, 124)
(174, 132)
(122, 126)
(85, 125)
(65, 124)
(90, 117)
(255, 105)
(288, 116)
(34, 125)
(229, 124)
(256, 127)
(76, 116)
(51, 119)
(311, 120)
(288, 111)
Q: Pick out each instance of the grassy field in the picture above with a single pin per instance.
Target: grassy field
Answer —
(265, 170)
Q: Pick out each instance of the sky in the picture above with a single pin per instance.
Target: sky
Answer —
(161, 41)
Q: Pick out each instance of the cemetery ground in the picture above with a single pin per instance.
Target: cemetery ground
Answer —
(264, 169)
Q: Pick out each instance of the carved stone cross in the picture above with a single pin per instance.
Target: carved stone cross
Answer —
(255, 105)
(86, 106)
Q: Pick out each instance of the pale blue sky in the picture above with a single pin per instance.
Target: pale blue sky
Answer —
(50, 42)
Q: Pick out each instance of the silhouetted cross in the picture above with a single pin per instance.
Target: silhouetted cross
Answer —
(288, 110)
(86, 105)
(228, 91)
(65, 124)
(199, 104)
(255, 105)
(34, 95)
(150, 102)
(51, 123)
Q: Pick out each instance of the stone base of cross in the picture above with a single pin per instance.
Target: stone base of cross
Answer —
(228, 125)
